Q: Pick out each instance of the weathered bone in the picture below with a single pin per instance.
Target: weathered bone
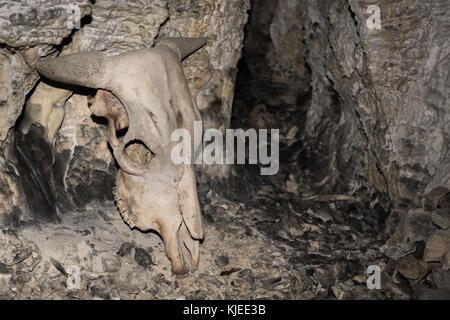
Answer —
(87, 69)
(146, 92)
(107, 106)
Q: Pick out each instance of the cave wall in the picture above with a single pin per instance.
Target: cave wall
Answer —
(372, 102)
(375, 116)
(367, 116)
(54, 156)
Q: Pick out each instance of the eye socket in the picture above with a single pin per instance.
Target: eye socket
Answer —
(138, 152)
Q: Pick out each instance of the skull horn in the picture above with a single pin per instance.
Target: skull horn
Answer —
(182, 46)
(87, 69)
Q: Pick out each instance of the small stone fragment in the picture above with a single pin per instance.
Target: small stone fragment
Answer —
(22, 256)
(441, 218)
(412, 268)
(437, 246)
(398, 250)
(111, 263)
(99, 292)
(145, 296)
(3, 269)
(441, 278)
(125, 249)
(143, 258)
(341, 291)
(245, 273)
(58, 267)
(228, 272)
(418, 225)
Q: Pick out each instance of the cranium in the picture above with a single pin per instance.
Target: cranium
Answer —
(145, 92)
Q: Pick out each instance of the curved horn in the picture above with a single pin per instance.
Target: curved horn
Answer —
(86, 69)
(182, 46)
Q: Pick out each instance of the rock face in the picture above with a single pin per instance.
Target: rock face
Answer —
(77, 167)
(211, 72)
(30, 29)
(377, 114)
(362, 111)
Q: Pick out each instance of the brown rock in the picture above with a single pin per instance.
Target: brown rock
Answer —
(433, 294)
(446, 261)
(412, 268)
(418, 225)
(441, 218)
(437, 246)
(441, 278)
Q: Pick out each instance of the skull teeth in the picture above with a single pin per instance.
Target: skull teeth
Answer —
(123, 208)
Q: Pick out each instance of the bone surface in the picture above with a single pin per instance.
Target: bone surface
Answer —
(145, 93)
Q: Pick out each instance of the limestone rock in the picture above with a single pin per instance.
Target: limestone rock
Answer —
(441, 218)
(16, 80)
(211, 72)
(399, 250)
(437, 245)
(84, 166)
(418, 225)
(45, 107)
(143, 258)
(32, 24)
(36, 22)
(80, 169)
(412, 268)
(433, 294)
(9, 192)
(119, 26)
(441, 278)
(387, 133)
(106, 262)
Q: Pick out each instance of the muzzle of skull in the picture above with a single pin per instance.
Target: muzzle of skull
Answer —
(157, 194)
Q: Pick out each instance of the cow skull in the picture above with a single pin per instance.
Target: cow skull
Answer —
(145, 93)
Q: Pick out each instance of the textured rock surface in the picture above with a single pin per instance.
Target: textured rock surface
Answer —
(119, 26)
(84, 168)
(371, 120)
(264, 246)
(80, 165)
(377, 114)
(211, 72)
(16, 80)
(29, 24)
(437, 246)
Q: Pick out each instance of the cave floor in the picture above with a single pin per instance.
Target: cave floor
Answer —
(270, 246)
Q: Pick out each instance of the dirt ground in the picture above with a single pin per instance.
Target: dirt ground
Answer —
(260, 243)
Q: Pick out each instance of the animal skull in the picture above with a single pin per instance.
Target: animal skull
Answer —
(145, 92)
